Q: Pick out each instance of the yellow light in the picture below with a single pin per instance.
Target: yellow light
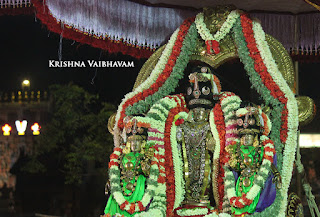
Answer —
(26, 83)
(6, 130)
(36, 129)
(309, 140)
(21, 127)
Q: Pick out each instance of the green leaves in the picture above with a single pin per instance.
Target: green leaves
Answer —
(75, 140)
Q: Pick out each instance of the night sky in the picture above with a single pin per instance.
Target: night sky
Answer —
(27, 47)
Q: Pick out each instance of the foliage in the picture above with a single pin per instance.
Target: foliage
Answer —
(75, 140)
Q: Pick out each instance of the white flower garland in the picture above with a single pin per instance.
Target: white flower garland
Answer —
(290, 146)
(192, 212)
(216, 137)
(216, 215)
(177, 162)
(156, 208)
(153, 76)
(221, 33)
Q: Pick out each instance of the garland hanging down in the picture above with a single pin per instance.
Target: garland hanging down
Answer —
(265, 77)
(160, 85)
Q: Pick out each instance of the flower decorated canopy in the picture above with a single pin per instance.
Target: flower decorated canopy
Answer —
(138, 28)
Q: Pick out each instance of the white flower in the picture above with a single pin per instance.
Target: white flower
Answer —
(222, 32)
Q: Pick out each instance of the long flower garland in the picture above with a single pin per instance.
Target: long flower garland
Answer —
(256, 57)
(153, 76)
(291, 123)
(259, 180)
(192, 212)
(229, 104)
(212, 41)
(161, 116)
(222, 126)
(177, 158)
(171, 169)
(167, 80)
(173, 72)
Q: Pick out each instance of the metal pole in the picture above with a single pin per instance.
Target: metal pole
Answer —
(296, 77)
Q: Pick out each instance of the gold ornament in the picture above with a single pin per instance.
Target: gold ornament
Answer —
(111, 122)
(307, 110)
(246, 182)
(129, 186)
(129, 166)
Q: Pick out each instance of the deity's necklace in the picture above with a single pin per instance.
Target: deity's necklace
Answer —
(248, 168)
(129, 172)
(195, 149)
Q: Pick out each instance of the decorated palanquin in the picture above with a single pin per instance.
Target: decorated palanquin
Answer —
(205, 152)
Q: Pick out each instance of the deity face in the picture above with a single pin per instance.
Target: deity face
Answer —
(248, 127)
(199, 93)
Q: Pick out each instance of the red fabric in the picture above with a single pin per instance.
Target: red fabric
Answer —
(109, 45)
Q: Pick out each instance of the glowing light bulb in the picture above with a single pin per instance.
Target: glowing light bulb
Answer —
(36, 129)
(26, 83)
(21, 127)
(6, 130)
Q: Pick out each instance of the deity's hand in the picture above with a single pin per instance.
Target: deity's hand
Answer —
(148, 153)
(210, 142)
(107, 188)
(277, 177)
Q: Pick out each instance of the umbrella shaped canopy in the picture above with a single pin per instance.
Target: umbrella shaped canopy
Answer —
(292, 6)
(138, 28)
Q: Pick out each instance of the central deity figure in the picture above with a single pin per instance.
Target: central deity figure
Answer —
(195, 137)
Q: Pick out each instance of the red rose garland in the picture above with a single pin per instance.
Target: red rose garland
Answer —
(219, 121)
(266, 78)
(170, 174)
(164, 75)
